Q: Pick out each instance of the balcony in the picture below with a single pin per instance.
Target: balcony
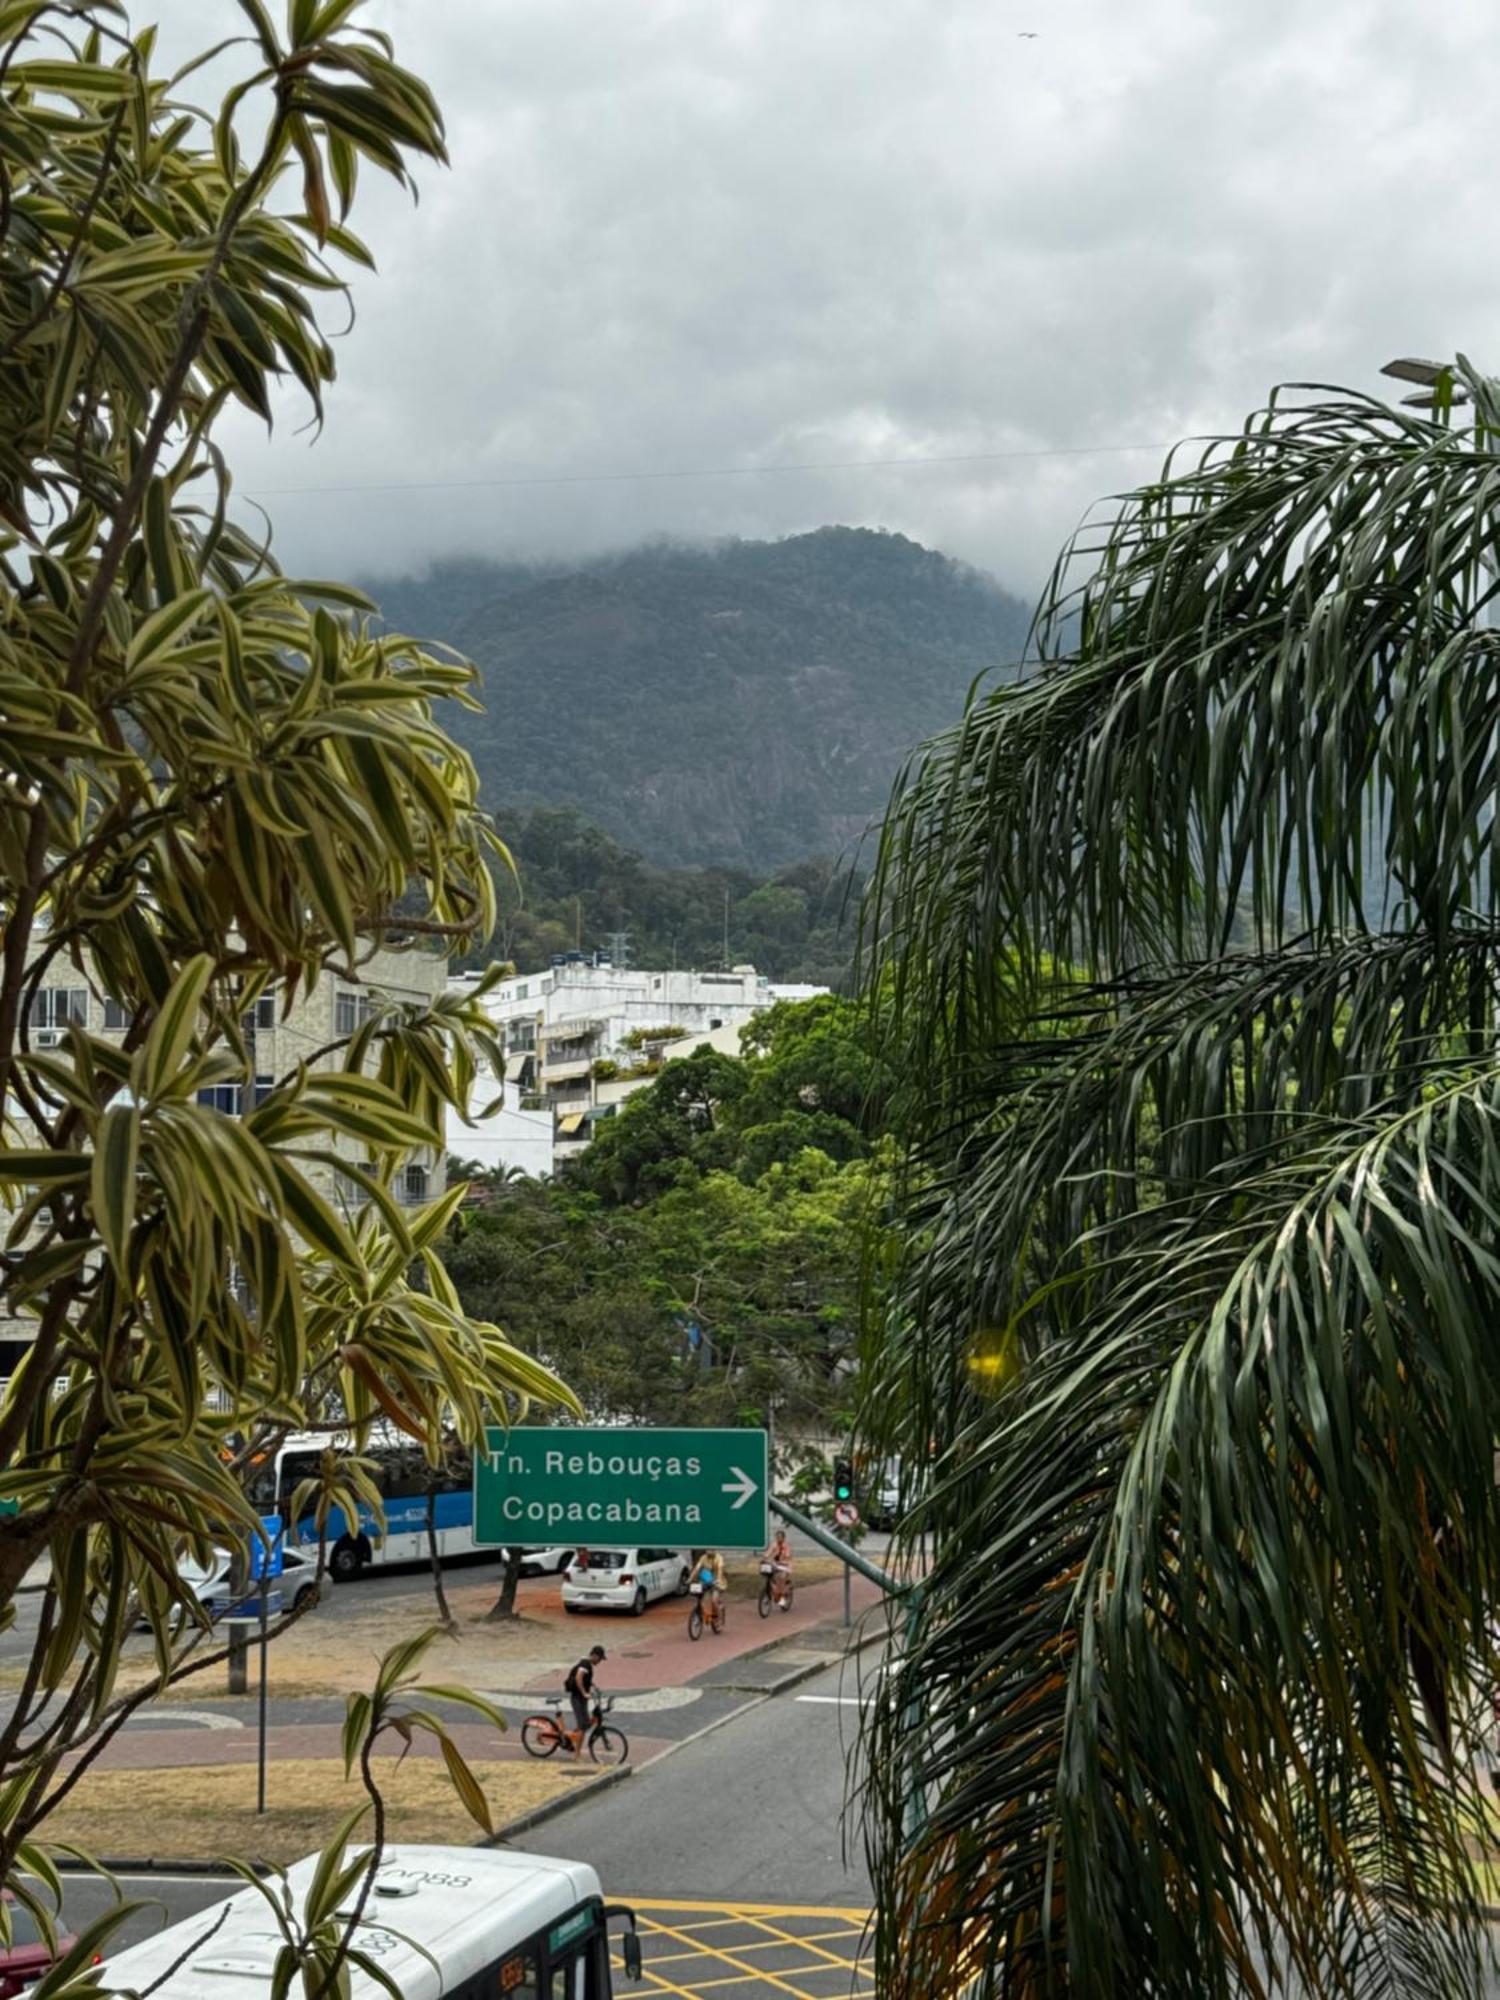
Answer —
(562, 1066)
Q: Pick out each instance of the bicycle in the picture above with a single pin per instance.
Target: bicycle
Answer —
(768, 1592)
(716, 1616)
(607, 1743)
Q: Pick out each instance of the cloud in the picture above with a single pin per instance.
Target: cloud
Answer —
(713, 236)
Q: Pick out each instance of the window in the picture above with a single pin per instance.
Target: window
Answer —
(230, 1097)
(522, 990)
(263, 1013)
(414, 1182)
(116, 1017)
(351, 1011)
(56, 1006)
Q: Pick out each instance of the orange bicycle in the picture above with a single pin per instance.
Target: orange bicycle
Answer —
(696, 1619)
(542, 1734)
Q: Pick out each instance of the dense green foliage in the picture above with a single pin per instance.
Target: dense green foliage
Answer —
(728, 1196)
(1200, 1307)
(747, 704)
(215, 788)
(573, 885)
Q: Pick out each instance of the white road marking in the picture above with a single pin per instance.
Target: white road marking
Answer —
(201, 1718)
(834, 1700)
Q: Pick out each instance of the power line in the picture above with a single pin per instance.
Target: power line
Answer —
(701, 471)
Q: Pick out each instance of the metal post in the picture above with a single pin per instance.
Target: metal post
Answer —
(239, 1646)
(848, 1613)
(260, 1783)
(825, 1539)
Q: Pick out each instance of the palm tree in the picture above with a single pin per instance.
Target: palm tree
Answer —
(1189, 944)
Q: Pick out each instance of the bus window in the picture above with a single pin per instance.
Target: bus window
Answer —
(571, 1981)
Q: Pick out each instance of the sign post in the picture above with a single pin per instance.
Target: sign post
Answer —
(265, 1562)
(615, 1489)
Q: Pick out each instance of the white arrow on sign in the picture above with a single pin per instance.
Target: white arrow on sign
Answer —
(742, 1484)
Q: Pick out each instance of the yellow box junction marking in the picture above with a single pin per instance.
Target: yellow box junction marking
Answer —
(753, 1951)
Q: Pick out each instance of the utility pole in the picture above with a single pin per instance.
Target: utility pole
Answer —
(619, 949)
(726, 930)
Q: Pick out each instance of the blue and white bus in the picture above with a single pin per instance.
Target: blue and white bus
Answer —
(403, 1478)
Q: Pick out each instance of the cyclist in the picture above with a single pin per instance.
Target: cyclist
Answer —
(579, 1688)
(780, 1554)
(715, 1583)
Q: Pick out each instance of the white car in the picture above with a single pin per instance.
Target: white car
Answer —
(213, 1586)
(543, 1562)
(297, 1582)
(626, 1579)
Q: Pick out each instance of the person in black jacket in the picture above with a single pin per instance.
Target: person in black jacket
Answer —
(579, 1688)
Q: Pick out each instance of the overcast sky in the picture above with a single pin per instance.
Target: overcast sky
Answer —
(707, 236)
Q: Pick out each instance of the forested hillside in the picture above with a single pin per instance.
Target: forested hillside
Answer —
(577, 886)
(745, 704)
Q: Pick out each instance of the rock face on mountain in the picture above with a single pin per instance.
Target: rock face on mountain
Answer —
(748, 703)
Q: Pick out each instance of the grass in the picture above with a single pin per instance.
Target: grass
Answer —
(208, 1812)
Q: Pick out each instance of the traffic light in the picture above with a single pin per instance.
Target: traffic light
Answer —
(843, 1480)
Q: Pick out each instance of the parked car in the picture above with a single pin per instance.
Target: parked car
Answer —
(28, 1955)
(213, 1586)
(297, 1582)
(543, 1562)
(625, 1579)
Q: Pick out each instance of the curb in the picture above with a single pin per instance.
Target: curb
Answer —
(564, 1802)
(139, 1864)
(858, 1640)
(806, 1672)
(148, 1864)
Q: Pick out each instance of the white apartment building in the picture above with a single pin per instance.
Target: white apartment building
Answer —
(581, 1037)
(333, 1010)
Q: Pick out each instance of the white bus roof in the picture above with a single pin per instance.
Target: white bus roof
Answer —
(468, 1906)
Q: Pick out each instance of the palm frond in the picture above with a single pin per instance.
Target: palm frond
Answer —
(1187, 958)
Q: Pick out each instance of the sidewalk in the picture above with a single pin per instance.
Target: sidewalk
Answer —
(655, 1651)
(646, 1656)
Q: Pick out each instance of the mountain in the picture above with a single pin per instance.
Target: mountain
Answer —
(746, 704)
(578, 887)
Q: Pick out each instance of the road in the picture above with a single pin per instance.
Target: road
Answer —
(727, 1843)
(751, 1811)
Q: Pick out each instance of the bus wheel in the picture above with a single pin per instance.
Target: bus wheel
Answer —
(344, 1564)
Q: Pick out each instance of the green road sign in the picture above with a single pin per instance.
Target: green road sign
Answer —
(618, 1488)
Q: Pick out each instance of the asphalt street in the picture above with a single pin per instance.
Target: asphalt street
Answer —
(752, 1810)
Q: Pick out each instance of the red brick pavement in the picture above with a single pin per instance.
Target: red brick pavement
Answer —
(655, 1651)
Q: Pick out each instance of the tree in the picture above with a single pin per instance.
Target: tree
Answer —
(808, 1077)
(660, 1131)
(218, 784)
(1190, 944)
(722, 1301)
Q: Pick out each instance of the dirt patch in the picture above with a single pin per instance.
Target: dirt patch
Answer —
(203, 1812)
(322, 1654)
